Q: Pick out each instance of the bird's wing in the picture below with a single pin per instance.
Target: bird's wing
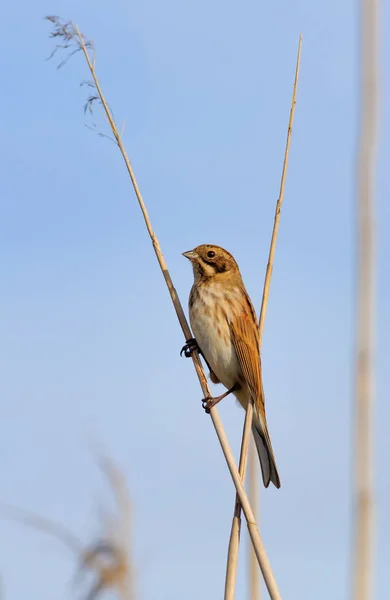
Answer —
(245, 338)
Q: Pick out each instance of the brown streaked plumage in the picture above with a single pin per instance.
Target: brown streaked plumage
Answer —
(225, 327)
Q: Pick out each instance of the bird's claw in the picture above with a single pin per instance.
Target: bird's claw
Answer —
(208, 403)
(189, 347)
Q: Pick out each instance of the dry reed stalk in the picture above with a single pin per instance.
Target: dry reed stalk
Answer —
(252, 527)
(268, 274)
(232, 560)
(254, 583)
(234, 541)
(363, 576)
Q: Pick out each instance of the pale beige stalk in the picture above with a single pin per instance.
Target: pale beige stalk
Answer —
(252, 527)
(268, 274)
(231, 567)
(232, 559)
(254, 583)
(363, 542)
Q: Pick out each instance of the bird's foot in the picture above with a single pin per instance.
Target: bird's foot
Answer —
(209, 402)
(189, 347)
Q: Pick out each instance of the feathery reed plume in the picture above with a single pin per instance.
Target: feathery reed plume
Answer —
(108, 558)
(362, 577)
(231, 569)
(61, 28)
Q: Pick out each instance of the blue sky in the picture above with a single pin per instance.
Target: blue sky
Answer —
(89, 340)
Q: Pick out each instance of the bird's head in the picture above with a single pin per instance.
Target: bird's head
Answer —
(211, 261)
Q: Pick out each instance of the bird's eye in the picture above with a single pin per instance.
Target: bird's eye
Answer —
(211, 254)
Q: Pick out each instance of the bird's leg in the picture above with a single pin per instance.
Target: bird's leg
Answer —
(189, 347)
(209, 402)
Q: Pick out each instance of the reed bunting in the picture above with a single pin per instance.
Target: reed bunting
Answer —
(225, 327)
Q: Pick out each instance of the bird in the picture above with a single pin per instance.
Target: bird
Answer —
(224, 324)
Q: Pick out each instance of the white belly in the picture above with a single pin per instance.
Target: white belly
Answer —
(213, 337)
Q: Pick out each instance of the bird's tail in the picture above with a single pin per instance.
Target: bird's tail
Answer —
(269, 469)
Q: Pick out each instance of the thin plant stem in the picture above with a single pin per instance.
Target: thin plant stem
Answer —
(234, 541)
(253, 493)
(232, 559)
(363, 553)
(270, 265)
(252, 527)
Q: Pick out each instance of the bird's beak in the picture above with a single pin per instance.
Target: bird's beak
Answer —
(191, 255)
